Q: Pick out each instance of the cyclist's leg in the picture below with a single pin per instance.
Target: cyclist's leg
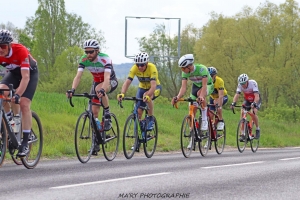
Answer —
(105, 102)
(95, 110)
(156, 94)
(255, 119)
(220, 125)
(139, 94)
(25, 103)
(212, 108)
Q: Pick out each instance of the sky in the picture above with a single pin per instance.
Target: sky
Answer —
(109, 17)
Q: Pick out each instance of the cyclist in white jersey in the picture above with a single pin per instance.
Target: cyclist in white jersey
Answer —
(251, 97)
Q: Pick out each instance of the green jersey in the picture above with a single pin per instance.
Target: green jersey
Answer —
(196, 76)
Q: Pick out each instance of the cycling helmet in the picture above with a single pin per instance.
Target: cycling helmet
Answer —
(185, 60)
(212, 71)
(141, 58)
(5, 36)
(243, 78)
(91, 43)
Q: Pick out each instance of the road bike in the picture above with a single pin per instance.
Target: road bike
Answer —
(87, 135)
(191, 134)
(244, 130)
(136, 133)
(217, 136)
(10, 138)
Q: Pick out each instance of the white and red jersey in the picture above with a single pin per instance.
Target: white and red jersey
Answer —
(249, 91)
(19, 58)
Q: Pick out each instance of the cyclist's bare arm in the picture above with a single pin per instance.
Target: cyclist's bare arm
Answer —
(204, 88)
(182, 88)
(76, 80)
(221, 95)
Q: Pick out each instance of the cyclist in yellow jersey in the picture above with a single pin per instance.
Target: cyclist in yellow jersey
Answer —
(218, 97)
(149, 86)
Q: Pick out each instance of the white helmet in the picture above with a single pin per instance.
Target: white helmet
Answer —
(243, 78)
(142, 57)
(91, 43)
(185, 60)
(5, 36)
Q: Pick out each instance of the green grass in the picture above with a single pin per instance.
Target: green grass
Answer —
(59, 118)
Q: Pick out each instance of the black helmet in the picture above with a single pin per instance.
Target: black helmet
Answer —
(5, 36)
(212, 71)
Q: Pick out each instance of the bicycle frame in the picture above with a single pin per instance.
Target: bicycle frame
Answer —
(212, 122)
(244, 113)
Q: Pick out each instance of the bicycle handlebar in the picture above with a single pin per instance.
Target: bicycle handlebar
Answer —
(10, 89)
(241, 106)
(129, 98)
(85, 94)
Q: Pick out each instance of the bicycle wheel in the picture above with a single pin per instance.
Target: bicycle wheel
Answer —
(205, 140)
(3, 142)
(187, 137)
(220, 141)
(241, 139)
(130, 138)
(254, 143)
(35, 142)
(110, 147)
(150, 145)
(84, 138)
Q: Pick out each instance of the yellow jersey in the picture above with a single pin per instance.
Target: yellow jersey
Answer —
(145, 77)
(218, 85)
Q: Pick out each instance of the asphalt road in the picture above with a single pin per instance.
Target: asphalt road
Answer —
(266, 174)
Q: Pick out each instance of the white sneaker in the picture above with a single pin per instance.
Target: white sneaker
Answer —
(204, 125)
(190, 144)
(220, 126)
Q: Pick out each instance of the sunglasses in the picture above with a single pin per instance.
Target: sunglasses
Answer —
(243, 83)
(89, 52)
(3, 46)
(141, 65)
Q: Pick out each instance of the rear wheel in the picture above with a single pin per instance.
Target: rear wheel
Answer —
(187, 136)
(130, 136)
(220, 141)
(3, 142)
(112, 136)
(84, 138)
(150, 145)
(35, 142)
(241, 135)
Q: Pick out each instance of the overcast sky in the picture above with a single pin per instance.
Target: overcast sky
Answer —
(109, 17)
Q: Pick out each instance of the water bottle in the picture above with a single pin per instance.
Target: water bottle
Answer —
(98, 124)
(17, 121)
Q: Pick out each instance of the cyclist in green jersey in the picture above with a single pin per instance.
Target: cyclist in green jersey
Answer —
(202, 84)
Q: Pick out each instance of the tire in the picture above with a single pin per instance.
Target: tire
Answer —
(3, 142)
(254, 143)
(35, 143)
(241, 145)
(187, 137)
(84, 138)
(111, 145)
(205, 140)
(221, 140)
(130, 137)
(150, 145)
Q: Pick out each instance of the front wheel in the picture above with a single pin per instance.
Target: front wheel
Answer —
(205, 140)
(112, 136)
(35, 142)
(254, 143)
(220, 141)
(84, 138)
(151, 137)
(130, 137)
(187, 136)
(241, 135)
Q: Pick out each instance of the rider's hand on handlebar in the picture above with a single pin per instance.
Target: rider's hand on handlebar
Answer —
(70, 93)
(232, 105)
(101, 93)
(120, 96)
(174, 100)
(146, 98)
(253, 105)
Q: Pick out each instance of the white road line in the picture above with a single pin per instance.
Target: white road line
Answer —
(110, 180)
(290, 158)
(249, 163)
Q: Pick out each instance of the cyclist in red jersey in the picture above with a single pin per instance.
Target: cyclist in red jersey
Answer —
(251, 98)
(23, 74)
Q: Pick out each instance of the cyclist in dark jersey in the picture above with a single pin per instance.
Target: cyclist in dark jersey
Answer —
(23, 74)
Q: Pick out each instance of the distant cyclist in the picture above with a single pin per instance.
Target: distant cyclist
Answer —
(202, 84)
(218, 97)
(251, 98)
(149, 87)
